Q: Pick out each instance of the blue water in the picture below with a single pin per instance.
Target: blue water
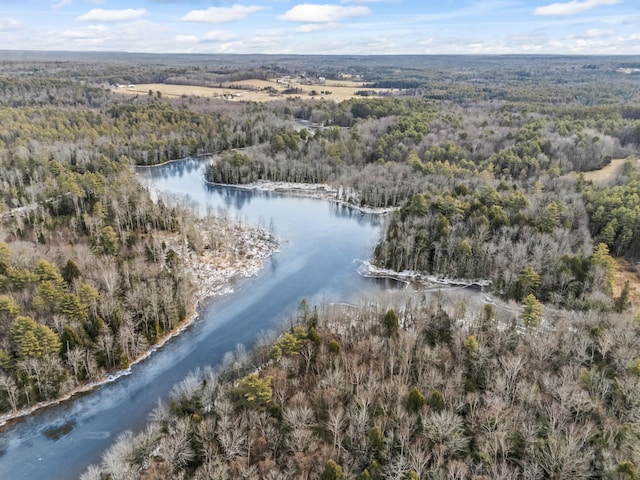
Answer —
(322, 245)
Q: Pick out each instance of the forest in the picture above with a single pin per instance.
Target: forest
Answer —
(430, 389)
(484, 164)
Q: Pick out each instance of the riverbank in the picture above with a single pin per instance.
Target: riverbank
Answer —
(320, 191)
(367, 269)
(212, 272)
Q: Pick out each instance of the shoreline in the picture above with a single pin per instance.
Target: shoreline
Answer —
(319, 191)
(199, 156)
(367, 269)
(217, 282)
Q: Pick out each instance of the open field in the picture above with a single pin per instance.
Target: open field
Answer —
(626, 271)
(606, 173)
(254, 90)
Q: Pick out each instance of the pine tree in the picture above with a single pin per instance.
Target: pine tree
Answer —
(332, 471)
(531, 314)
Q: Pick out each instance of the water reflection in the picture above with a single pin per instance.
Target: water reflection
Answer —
(388, 283)
(178, 168)
(346, 211)
(233, 197)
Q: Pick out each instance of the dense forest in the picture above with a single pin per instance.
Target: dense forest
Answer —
(485, 164)
(431, 389)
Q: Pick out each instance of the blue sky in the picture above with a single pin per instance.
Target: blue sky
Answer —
(324, 27)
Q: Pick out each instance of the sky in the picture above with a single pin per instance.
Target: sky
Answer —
(361, 27)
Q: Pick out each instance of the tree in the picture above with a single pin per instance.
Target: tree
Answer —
(332, 471)
(8, 384)
(289, 344)
(33, 339)
(109, 241)
(622, 302)
(602, 267)
(48, 272)
(8, 307)
(417, 206)
(415, 400)
(365, 475)
(471, 343)
(254, 390)
(5, 359)
(550, 218)
(72, 307)
(528, 281)
(627, 470)
(436, 401)
(5, 256)
(531, 314)
(70, 271)
(376, 441)
(390, 323)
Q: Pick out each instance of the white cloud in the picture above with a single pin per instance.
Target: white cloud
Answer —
(9, 24)
(427, 42)
(100, 15)
(221, 14)
(92, 32)
(186, 38)
(571, 8)
(311, 13)
(60, 3)
(598, 33)
(368, 1)
(316, 27)
(219, 36)
(632, 20)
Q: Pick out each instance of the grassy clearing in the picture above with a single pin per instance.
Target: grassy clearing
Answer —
(254, 90)
(625, 270)
(606, 173)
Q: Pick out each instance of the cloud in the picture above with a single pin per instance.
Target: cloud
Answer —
(186, 38)
(632, 20)
(219, 36)
(310, 13)
(221, 14)
(316, 27)
(60, 3)
(571, 8)
(100, 15)
(597, 33)
(92, 32)
(9, 24)
(368, 1)
(527, 39)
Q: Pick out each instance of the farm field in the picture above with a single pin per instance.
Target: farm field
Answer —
(255, 90)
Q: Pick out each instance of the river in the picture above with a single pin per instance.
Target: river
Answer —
(322, 245)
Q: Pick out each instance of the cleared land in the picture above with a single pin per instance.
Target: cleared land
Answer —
(626, 271)
(257, 90)
(606, 173)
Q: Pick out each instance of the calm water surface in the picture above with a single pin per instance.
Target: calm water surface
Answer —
(322, 245)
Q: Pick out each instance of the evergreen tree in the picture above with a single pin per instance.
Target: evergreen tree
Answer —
(531, 314)
(332, 471)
